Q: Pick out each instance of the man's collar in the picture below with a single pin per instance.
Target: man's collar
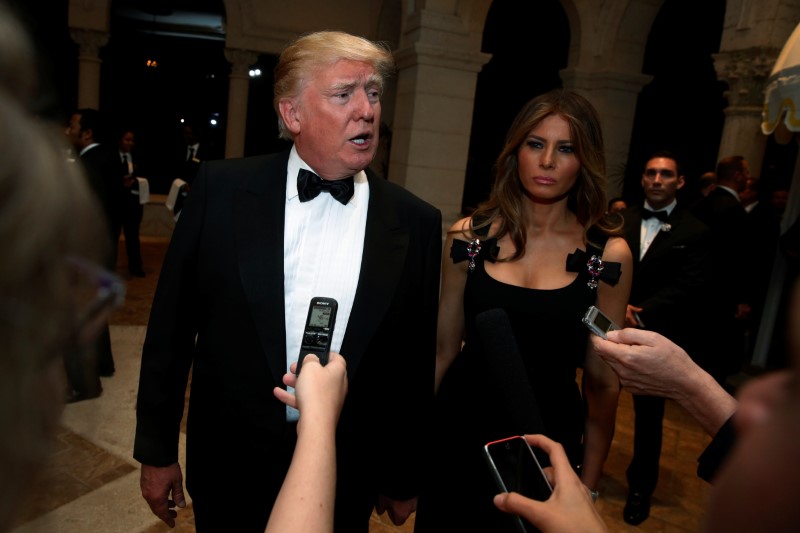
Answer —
(294, 165)
(668, 209)
(292, 168)
(734, 193)
(87, 148)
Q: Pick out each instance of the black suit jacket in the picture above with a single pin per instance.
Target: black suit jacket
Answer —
(219, 308)
(131, 200)
(102, 166)
(187, 169)
(731, 282)
(669, 279)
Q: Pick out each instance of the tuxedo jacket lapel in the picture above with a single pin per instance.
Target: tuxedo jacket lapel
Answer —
(633, 232)
(633, 225)
(384, 256)
(259, 210)
(665, 240)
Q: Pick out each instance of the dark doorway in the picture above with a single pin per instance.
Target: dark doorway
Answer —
(529, 43)
(681, 109)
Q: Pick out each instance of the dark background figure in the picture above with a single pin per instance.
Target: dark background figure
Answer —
(189, 153)
(789, 248)
(670, 267)
(730, 283)
(707, 182)
(764, 222)
(692, 194)
(763, 232)
(101, 164)
(616, 204)
(132, 209)
(194, 148)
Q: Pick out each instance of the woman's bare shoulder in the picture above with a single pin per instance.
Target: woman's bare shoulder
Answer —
(617, 249)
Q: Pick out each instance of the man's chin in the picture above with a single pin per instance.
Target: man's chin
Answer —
(360, 162)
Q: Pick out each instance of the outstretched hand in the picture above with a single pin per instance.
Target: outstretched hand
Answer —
(646, 362)
(651, 364)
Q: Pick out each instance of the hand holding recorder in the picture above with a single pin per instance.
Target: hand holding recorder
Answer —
(318, 393)
(649, 363)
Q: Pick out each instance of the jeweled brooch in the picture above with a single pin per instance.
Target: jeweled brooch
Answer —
(473, 249)
(595, 267)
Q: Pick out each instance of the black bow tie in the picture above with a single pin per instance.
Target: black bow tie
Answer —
(309, 185)
(660, 215)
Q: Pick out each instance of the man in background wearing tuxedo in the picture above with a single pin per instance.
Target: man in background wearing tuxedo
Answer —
(132, 208)
(85, 130)
(731, 287)
(669, 270)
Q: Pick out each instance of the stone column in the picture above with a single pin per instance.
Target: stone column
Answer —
(432, 122)
(614, 95)
(89, 43)
(239, 88)
(746, 73)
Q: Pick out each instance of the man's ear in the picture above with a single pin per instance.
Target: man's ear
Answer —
(289, 115)
(681, 181)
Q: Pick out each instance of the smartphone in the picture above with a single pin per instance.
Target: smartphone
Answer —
(318, 332)
(597, 322)
(515, 468)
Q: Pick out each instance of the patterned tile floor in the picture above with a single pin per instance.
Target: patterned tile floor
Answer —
(91, 483)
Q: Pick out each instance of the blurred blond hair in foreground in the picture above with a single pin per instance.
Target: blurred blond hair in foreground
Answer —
(48, 217)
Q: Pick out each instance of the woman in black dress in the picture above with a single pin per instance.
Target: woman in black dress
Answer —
(542, 250)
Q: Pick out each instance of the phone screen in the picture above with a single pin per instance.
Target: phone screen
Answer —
(603, 322)
(597, 322)
(516, 468)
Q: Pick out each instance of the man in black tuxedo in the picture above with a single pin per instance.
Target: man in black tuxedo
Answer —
(189, 155)
(132, 210)
(85, 130)
(670, 267)
(257, 239)
(731, 286)
(192, 154)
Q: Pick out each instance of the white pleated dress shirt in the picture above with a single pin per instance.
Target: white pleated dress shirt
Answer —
(322, 250)
(651, 227)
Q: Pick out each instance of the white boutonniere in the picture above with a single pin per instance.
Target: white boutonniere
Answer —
(665, 227)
